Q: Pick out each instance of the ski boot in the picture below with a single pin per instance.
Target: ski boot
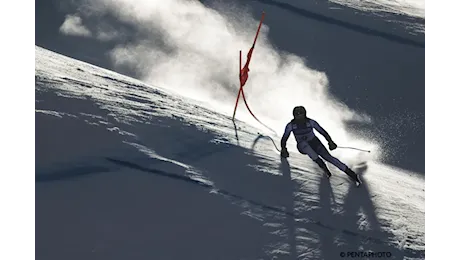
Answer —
(354, 177)
(323, 166)
(328, 173)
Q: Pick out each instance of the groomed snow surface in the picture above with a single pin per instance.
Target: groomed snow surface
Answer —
(125, 170)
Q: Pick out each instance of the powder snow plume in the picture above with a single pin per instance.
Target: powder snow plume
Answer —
(193, 50)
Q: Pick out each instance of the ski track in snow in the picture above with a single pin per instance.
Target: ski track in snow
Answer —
(122, 127)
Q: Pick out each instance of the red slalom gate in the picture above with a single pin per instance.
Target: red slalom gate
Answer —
(244, 74)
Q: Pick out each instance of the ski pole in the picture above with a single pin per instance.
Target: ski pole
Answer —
(343, 147)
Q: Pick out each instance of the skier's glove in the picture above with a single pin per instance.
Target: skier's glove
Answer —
(284, 153)
(332, 145)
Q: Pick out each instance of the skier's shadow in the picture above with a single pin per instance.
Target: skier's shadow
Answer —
(326, 238)
(285, 169)
(359, 214)
(326, 201)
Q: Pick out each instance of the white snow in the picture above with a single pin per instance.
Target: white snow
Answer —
(415, 8)
(125, 170)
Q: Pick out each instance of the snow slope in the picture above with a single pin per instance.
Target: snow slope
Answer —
(415, 8)
(126, 170)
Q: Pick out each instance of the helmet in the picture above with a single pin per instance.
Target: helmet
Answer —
(299, 110)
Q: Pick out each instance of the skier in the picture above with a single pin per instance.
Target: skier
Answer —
(308, 143)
